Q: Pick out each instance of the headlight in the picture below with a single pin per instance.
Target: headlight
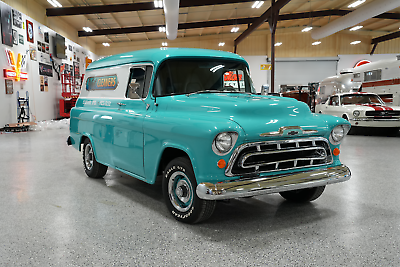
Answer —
(356, 113)
(224, 142)
(338, 133)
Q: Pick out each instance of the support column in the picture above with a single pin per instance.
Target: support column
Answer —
(273, 20)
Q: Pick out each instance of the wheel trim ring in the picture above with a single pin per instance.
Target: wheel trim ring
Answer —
(88, 157)
(181, 203)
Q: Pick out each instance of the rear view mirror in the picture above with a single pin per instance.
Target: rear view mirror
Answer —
(133, 91)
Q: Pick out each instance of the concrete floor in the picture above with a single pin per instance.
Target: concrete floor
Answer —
(52, 214)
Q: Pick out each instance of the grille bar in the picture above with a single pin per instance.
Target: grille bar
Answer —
(270, 156)
(383, 113)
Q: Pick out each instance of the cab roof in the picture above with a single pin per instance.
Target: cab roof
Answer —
(157, 55)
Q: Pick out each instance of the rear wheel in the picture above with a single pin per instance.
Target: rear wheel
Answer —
(179, 189)
(303, 195)
(92, 168)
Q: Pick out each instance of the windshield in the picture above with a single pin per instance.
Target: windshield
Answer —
(360, 99)
(188, 76)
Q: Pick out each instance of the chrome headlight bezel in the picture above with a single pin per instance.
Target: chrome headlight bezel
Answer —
(224, 142)
(356, 113)
(338, 133)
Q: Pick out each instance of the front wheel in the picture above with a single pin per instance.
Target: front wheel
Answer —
(179, 189)
(303, 195)
(92, 168)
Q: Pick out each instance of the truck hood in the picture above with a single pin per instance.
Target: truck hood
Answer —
(255, 114)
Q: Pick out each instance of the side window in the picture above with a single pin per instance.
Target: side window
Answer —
(372, 75)
(139, 82)
(334, 101)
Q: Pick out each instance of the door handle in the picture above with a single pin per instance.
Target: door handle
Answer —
(121, 104)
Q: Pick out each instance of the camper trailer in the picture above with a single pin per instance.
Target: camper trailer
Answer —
(381, 77)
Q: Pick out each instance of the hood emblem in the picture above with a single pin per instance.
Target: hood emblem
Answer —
(289, 131)
(293, 133)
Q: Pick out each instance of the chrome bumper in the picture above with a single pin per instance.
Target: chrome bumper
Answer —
(267, 185)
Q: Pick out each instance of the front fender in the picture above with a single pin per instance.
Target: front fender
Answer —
(193, 137)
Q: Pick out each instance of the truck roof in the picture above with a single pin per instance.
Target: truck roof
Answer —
(157, 55)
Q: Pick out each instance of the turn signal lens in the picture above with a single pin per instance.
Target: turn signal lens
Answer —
(336, 152)
(221, 164)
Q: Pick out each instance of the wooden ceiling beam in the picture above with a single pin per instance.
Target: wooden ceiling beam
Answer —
(99, 9)
(219, 23)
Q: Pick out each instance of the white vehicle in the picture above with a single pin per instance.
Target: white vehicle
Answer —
(381, 77)
(362, 109)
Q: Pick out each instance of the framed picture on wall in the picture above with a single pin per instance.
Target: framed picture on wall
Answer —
(17, 18)
(6, 26)
(9, 87)
(29, 31)
(15, 37)
(21, 39)
(46, 37)
(39, 46)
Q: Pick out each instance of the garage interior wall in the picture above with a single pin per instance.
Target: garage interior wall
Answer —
(43, 105)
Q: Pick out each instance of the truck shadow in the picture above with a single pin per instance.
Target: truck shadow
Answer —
(237, 217)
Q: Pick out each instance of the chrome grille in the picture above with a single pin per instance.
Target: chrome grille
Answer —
(270, 156)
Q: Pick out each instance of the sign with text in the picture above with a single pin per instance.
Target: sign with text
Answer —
(109, 82)
(45, 69)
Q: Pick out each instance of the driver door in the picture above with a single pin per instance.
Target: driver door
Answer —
(128, 133)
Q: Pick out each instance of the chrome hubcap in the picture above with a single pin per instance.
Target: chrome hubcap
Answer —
(180, 191)
(88, 157)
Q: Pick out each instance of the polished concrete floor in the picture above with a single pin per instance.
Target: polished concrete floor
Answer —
(52, 214)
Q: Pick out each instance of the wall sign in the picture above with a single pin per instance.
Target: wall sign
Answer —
(102, 82)
(9, 87)
(17, 18)
(15, 72)
(45, 69)
(6, 25)
(29, 31)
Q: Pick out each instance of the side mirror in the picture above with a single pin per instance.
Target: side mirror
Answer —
(133, 91)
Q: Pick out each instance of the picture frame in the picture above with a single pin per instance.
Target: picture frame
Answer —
(15, 37)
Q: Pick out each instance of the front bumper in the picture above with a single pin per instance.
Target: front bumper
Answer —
(373, 122)
(267, 185)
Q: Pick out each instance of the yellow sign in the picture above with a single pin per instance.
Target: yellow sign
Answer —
(265, 67)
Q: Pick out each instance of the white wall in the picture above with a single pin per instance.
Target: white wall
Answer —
(44, 105)
(258, 76)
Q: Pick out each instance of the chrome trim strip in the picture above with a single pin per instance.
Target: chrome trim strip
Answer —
(273, 184)
(376, 119)
(282, 130)
(236, 152)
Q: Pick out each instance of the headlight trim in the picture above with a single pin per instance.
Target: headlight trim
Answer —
(338, 133)
(217, 148)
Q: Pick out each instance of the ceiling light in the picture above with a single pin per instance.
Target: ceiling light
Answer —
(52, 3)
(164, 44)
(106, 44)
(355, 42)
(278, 44)
(158, 4)
(87, 29)
(161, 29)
(221, 44)
(57, 3)
(257, 4)
(306, 29)
(316, 43)
(234, 29)
(356, 3)
(356, 28)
